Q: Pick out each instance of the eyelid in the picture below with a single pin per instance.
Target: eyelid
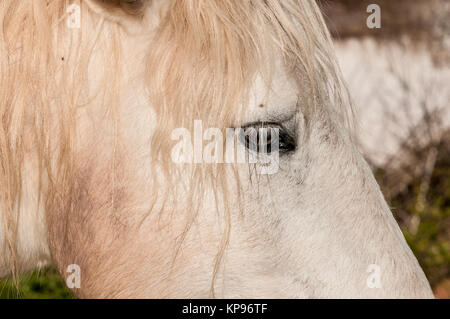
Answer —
(262, 124)
(283, 132)
(282, 128)
(281, 121)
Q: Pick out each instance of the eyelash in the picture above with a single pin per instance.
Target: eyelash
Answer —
(286, 143)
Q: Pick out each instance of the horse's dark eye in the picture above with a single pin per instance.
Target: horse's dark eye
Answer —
(266, 137)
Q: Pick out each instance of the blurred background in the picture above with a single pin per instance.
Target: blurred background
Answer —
(399, 78)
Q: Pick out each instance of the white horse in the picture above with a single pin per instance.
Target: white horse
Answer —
(90, 94)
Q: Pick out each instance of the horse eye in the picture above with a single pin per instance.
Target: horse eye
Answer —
(263, 137)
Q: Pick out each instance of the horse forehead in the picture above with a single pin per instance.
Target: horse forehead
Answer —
(273, 98)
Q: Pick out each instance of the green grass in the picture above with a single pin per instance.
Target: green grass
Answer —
(43, 284)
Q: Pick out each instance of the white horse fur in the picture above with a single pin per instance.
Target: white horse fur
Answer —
(312, 230)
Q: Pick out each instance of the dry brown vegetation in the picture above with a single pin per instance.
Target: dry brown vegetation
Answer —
(415, 180)
(426, 22)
